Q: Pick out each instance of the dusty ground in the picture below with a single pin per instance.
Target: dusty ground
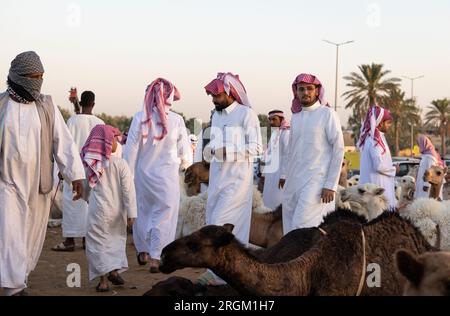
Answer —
(50, 275)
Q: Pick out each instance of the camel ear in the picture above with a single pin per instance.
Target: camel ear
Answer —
(409, 266)
(229, 227)
(223, 240)
(379, 191)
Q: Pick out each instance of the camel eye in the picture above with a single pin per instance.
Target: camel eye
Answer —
(361, 191)
(194, 247)
(438, 173)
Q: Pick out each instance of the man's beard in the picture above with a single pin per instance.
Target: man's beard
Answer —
(220, 106)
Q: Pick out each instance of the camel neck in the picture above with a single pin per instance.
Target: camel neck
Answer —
(244, 272)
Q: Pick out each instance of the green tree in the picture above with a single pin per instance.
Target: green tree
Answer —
(438, 117)
(65, 113)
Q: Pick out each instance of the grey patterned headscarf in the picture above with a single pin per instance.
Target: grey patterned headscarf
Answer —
(24, 64)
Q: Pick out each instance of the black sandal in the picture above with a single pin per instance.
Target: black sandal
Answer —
(141, 262)
(116, 279)
(99, 289)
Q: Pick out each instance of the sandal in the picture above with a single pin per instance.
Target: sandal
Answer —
(63, 247)
(116, 279)
(99, 289)
(141, 262)
(154, 266)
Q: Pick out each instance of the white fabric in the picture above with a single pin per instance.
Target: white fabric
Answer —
(316, 151)
(75, 213)
(231, 182)
(377, 168)
(278, 146)
(23, 211)
(426, 163)
(156, 177)
(111, 202)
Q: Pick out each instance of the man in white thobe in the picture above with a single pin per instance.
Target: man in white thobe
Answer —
(273, 159)
(376, 162)
(316, 151)
(32, 135)
(75, 213)
(157, 143)
(235, 142)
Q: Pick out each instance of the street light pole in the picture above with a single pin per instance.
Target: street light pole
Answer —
(337, 68)
(412, 99)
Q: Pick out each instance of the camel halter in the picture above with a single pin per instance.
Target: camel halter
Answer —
(363, 272)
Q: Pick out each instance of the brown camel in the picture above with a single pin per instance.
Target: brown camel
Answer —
(335, 265)
(343, 182)
(266, 229)
(195, 175)
(427, 274)
(435, 176)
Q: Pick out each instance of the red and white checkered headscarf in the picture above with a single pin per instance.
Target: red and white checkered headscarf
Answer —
(159, 94)
(309, 79)
(285, 124)
(427, 147)
(231, 85)
(97, 150)
(375, 116)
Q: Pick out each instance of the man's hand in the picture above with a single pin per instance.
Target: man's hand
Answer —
(130, 222)
(220, 154)
(327, 196)
(77, 188)
(397, 169)
(281, 183)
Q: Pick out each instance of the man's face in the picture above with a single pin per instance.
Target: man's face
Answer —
(384, 127)
(307, 93)
(275, 121)
(222, 101)
(38, 75)
(114, 145)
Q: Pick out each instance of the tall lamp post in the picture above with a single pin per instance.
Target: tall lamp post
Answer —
(337, 68)
(412, 99)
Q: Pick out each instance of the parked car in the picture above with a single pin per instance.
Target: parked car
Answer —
(405, 166)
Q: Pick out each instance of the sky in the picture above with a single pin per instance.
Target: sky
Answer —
(117, 48)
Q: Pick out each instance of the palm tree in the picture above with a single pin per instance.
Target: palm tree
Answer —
(438, 117)
(367, 88)
(404, 112)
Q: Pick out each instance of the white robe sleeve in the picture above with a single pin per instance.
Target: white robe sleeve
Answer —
(336, 140)
(285, 139)
(128, 191)
(379, 163)
(65, 151)
(183, 146)
(252, 145)
(133, 142)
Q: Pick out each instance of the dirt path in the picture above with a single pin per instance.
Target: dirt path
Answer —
(50, 275)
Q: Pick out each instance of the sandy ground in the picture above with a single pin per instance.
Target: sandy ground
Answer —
(50, 275)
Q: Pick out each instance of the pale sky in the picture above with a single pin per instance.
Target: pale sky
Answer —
(116, 48)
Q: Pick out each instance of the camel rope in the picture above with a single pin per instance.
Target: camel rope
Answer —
(363, 272)
(54, 196)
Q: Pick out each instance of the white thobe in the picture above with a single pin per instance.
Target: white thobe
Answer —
(24, 211)
(278, 146)
(316, 151)
(426, 163)
(230, 188)
(376, 167)
(155, 166)
(75, 213)
(111, 202)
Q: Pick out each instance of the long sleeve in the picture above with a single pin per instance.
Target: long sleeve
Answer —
(251, 146)
(128, 190)
(379, 163)
(183, 146)
(285, 139)
(336, 141)
(133, 142)
(65, 151)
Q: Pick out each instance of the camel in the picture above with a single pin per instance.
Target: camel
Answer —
(334, 265)
(353, 181)
(343, 182)
(427, 274)
(195, 175)
(435, 176)
(266, 229)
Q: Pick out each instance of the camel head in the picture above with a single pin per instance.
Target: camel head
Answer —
(344, 172)
(196, 174)
(200, 249)
(427, 274)
(367, 200)
(435, 175)
(353, 181)
(407, 186)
